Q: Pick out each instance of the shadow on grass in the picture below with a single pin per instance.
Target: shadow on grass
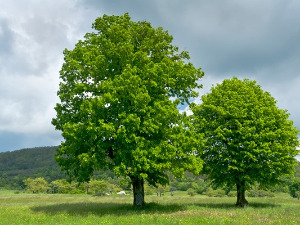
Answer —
(233, 206)
(121, 209)
(102, 209)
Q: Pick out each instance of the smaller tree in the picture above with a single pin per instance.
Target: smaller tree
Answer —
(191, 192)
(62, 186)
(37, 185)
(97, 187)
(161, 189)
(248, 138)
(59, 186)
(149, 190)
(200, 186)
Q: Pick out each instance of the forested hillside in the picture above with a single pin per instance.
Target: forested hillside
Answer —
(30, 162)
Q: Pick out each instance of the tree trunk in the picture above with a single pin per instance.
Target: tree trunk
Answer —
(241, 198)
(138, 192)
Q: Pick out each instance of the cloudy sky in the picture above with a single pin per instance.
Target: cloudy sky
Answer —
(257, 39)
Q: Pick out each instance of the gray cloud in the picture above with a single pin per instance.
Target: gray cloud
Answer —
(33, 37)
(222, 36)
(6, 39)
(242, 37)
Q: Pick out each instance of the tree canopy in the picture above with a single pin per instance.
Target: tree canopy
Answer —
(119, 92)
(248, 138)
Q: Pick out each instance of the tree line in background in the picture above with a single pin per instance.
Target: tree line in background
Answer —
(47, 178)
(190, 183)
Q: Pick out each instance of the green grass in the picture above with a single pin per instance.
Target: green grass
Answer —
(178, 209)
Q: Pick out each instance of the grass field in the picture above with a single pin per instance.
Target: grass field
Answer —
(178, 209)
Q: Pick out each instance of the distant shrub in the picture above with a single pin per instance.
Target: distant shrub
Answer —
(191, 192)
(149, 190)
(182, 186)
(214, 193)
(97, 187)
(113, 188)
(37, 185)
(232, 194)
(62, 186)
(260, 193)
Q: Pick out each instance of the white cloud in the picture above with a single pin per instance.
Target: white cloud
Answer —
(29, 104)
(33, 36)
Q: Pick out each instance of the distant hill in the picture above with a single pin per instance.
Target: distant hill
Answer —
(30, 162)
(36, 162)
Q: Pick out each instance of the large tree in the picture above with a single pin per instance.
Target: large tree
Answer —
(119, 91)
(248, 138)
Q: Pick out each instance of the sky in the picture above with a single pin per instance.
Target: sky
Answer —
(257, 39)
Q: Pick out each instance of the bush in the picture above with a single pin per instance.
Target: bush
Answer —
(37, 185)
(200, 186)
(232, 194)
(191, 192)
(113, 188)
(97, 187)
(215, 193)
(149, 190)
(182, 186)
(260, 193)
(62, 186)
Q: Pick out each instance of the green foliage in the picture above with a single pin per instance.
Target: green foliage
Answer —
(181, 186)
(201, 186)
(248, 138)
(297, 170)
(214, 193)
(119, 92)
(97, 187)
(283, 184)
(116, 184)
(63, 186)
(113, 188)
(94, 187)
(260, 193)
(149, 190)
(36, 162)
(231, 194)
(37, 185)
(191, 192)
(294, 188)
(190, 181)
(161, 189)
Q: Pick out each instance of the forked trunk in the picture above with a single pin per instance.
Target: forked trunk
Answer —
(241, 198)
(138, 192)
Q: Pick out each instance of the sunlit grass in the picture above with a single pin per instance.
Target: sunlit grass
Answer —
(178, 209)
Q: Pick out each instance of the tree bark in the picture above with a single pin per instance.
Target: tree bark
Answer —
(138, 192)
(241, 198)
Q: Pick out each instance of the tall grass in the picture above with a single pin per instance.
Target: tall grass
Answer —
(179, 209)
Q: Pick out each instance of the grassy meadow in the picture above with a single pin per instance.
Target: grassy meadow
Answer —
(22, 208)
